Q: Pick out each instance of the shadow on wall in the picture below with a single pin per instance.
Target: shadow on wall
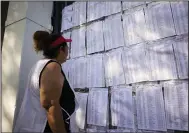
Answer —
(10, 73)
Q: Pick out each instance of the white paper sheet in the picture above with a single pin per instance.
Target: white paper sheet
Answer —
(73, 125)
(80, 80)
(95, 41)
(114, 74)
(118, 131)
(78, 43)
(181, 54)
(66, 68)
(150, 107)
(159, 21)
(176, 104)
(112, 7)
(128, 5)
(161, 60)
(81, 112)
(79, 13)
(134, 27)
(90, 130)
(135, 64)
(67, 35)
(122, 107)
(113, 32)
(95, 71)
(71, 72)
(97, 106)
(95, 10)
(67, 14)
(180, 16)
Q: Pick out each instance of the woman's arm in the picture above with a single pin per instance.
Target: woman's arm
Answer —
(50, 92)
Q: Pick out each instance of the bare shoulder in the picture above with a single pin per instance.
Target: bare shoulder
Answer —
(53, 67)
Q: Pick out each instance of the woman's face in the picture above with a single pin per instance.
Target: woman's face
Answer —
(64, 53)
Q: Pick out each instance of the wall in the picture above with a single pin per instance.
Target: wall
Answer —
(18, 56)
(129, 65)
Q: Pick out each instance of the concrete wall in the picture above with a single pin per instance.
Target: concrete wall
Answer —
(18, 55)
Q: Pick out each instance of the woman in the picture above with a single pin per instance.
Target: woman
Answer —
(49, 100)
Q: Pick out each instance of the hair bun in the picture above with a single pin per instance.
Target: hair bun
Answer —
(41, 38)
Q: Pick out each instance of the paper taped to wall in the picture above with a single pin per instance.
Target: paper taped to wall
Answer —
(78, 42)
(128, 5)
(180, 16)
(95, 71)
(135, 63)
(180, 46)
(95, 41)
(134, 27)
(161, 60)
(97, 106)
(114, 74)
(113, 32)
(79, 13)
(176, 104)
(150, 107)
(67, 14)
(122, 110)
(159, 21)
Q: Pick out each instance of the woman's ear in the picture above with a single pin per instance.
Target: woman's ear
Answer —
(62, 48)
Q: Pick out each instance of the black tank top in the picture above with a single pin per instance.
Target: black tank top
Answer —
(67, 102)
